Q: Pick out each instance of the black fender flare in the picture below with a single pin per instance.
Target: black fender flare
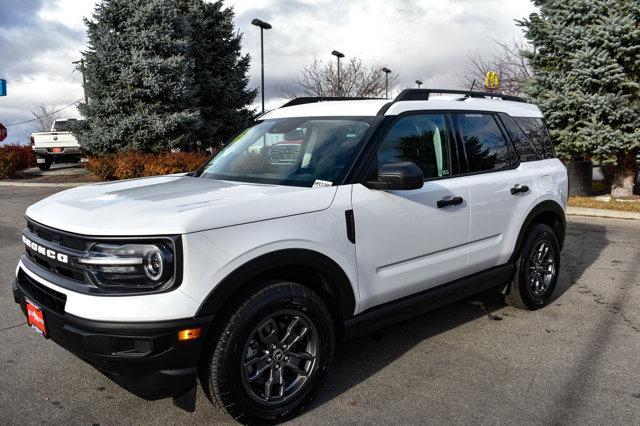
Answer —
(337, 279)
(545, 207)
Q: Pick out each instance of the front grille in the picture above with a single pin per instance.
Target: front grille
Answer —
(57, 237)
(67, 272)
(60, 242)
(40, 294)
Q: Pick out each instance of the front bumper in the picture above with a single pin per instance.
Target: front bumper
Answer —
(145, 358)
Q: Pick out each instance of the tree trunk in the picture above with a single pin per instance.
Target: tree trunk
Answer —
(625, 175)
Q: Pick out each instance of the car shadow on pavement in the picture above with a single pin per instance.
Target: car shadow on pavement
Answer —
(583, 244)
(358, 360)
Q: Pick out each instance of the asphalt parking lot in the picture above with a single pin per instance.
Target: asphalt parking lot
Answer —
(478, 361)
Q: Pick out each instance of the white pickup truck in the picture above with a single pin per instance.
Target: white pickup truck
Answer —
(57, 146)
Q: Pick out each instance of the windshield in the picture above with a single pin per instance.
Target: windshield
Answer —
(291, 151)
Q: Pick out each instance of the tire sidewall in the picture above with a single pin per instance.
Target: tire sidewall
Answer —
(249, 317)
(539, 233)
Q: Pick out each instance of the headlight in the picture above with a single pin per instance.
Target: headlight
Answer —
(129, 265)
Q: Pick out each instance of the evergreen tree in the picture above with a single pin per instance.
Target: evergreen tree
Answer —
(586, 63)
(221, 72)
(145, 83)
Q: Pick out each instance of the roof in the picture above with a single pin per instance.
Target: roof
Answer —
(371, 107)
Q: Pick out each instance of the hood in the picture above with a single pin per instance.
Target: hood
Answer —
(172, 205)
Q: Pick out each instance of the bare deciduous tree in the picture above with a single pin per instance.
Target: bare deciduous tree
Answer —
(44, 116)
(357, 79)
(508, 62)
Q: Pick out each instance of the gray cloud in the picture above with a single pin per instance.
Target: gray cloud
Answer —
(417, 39)
(18, 12)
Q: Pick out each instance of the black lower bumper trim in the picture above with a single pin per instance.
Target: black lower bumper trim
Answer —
(145, 358)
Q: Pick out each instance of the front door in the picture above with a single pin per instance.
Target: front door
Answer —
(405, 243)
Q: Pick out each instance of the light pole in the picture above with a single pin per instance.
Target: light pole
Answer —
(386, 72)
(263, 26)
(338, 55)
(419, 83)
(80, 65)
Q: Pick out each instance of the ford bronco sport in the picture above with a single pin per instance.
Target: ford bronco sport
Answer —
(244, 274)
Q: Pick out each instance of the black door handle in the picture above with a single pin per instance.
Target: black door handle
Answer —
(519, 188)
(450, 202)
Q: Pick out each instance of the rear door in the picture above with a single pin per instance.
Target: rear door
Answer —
(405, 243)
(501, 190)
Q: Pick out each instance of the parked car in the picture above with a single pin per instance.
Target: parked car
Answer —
(57, 146)
(245, 274)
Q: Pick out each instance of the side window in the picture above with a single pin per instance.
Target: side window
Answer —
(485, 146)
(421, 139)
(521, 142)
(538, 133)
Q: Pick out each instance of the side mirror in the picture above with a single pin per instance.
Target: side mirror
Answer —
(398, 176)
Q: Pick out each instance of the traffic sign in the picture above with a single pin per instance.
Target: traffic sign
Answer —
(3, 132)
(3, 87)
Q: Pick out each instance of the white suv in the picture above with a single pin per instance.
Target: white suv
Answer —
(325, 220)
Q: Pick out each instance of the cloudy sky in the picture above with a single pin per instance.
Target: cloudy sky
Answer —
(417, 39)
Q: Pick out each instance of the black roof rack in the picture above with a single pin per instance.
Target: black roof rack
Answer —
(423, 95)
(310, 100)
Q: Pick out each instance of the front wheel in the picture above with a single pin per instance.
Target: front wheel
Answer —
(537, 269)
(272, 355)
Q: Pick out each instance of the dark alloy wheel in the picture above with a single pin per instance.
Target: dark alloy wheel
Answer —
(279, 357)
(269, 358)
(537, 269)
(542, 268)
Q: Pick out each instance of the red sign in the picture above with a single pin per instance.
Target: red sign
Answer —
(35, 318)
(3, 132)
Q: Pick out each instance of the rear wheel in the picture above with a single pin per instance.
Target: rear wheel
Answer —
(272, 354)
(46, 165)
(537, 269)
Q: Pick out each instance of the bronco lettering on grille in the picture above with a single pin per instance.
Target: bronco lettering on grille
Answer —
(52, 254)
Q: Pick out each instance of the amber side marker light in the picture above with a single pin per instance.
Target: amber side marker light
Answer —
(188, 334)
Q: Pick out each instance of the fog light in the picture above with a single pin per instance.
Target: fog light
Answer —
(188, 334)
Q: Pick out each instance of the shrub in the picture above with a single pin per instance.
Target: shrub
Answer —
(103, 166)
(131, 164)
(7, 164)
(180, 162)
(14, 158)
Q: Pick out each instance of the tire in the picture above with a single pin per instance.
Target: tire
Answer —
(244, 346)
(537, 269)
(45, 166)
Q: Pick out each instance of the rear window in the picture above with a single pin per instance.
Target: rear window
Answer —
(521, 142)
(485, 146)
(538, 134)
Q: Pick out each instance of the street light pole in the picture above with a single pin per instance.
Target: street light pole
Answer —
(263, 26)
(84, 78)
(338, 55)
(419, 83)
(386, 72)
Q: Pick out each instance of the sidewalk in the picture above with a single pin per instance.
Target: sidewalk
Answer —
(616, 214)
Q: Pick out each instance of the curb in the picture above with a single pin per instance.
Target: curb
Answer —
(591, 212)
(44, 184)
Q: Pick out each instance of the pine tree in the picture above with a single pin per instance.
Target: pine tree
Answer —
(221, 72)
(146, 87)
(586, 63)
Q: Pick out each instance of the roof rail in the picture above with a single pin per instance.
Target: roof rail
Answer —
(313, 99)
(423, 95)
